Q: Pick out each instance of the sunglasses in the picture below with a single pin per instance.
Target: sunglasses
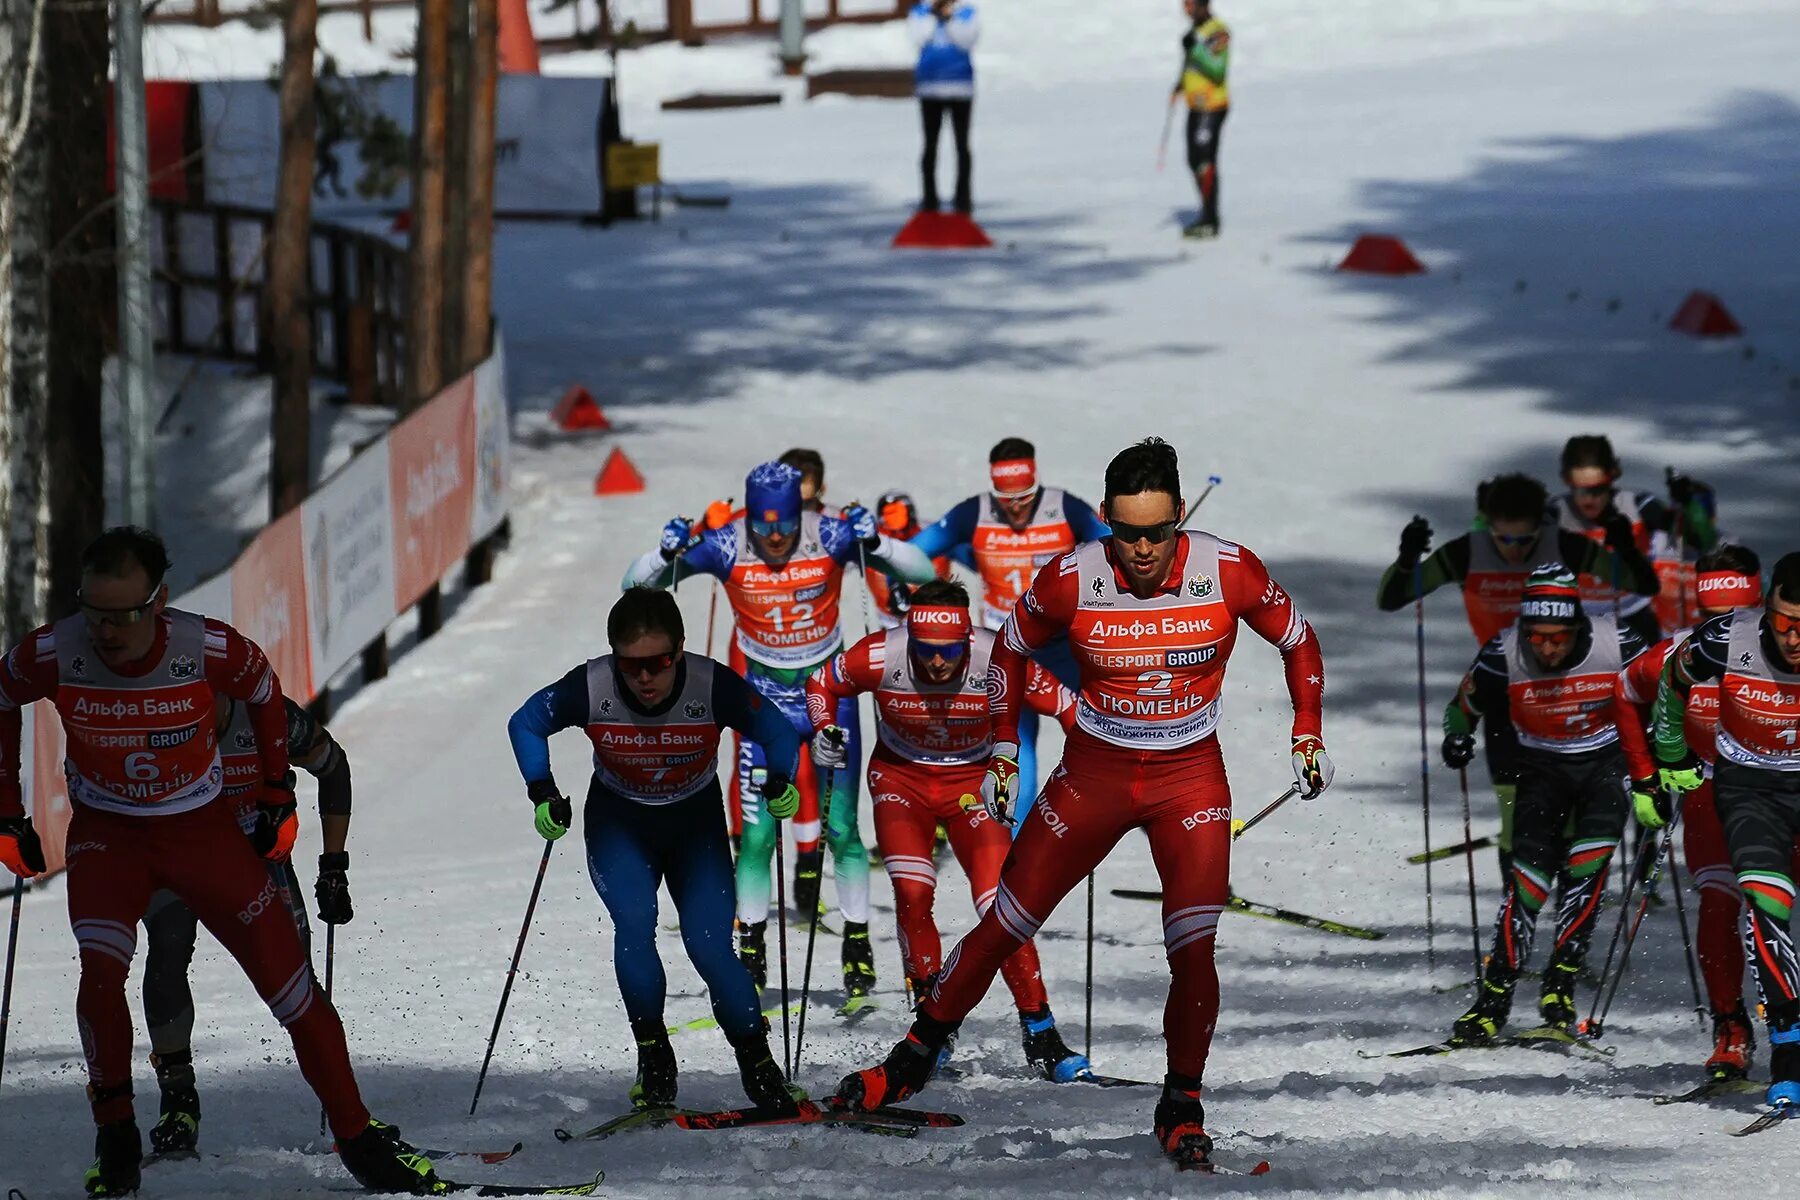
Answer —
(1781, 624)
(1550, 638)
(1157, 534)
(644, 664)
(948, 651)
(1515, 539)
(775, 528)
(1596, 491)
(117, 616)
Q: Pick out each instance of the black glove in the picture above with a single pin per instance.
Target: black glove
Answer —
(553, 812)
(333, 889)
(1459, 749)
(1415, 539)
(20, 850)
(899, 598)
(1619, 536)
(277, 822)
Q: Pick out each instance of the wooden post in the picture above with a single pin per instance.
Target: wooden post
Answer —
(484, 79)
(456, 190)
(375, 659)
(681, 22)
(425, 247)
(431, 611)
(289, 293)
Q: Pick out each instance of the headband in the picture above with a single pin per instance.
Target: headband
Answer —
(938, 622)
(1014, 477)
(1729, 589)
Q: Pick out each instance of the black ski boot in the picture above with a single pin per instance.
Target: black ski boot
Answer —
(1045, 1051)
(656, 1074)
(763, 1081)
(807, 867)
(1487, 1016)
(753, 952)
(177, 1130)
(382, 1162)
(118, 1160)
(1556, 1006)
(859, 960)
(904, 1073)
(1181, 1122)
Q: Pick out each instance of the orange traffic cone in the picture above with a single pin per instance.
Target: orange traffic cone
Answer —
(617, 477)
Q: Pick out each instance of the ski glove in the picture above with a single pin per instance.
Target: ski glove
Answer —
(554, 814)
(1619, 536)
(831, 747)
(1650, 803)
(863, 526)
(675, 537)
(277, 820)
(333, 889)
(779, 794)
(1683, 776)
(1313, 768)
(999, 784)
(20, 849)
(1459, 750)
(1415, 539)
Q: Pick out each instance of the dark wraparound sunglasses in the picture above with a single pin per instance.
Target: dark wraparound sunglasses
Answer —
(96, 615)
(1155, 534)
(644, 664)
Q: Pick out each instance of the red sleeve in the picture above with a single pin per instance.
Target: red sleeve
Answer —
(1631, 727)
(1265, 606)
(849, 673)
(236, 667)
(1046, 695)
(1644, 673)
(27, 674)
(1046, 609)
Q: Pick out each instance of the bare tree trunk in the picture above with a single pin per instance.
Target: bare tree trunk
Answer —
(456, 188)
(484, 78)
(24, 467)
(290, 251)
(77, 62)
(425, 250)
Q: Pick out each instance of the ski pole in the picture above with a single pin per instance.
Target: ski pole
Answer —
(712, 614)
(1087, 1049)
(330, 956)
(505, 992)
(12, 946)
(1240, 828)
(1469, 858)
(787, 1045)
(827, 783)
(1425, 765)
(1162, 147)
(1687, 943)
(1637, 921)
(862, 562)
(1591, 1027)
(1212, 481)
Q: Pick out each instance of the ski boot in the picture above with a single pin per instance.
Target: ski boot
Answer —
(1205, 227)
(763, 1081)
(1045, 1051)
(1734, 1044)
(753, 952)
(118, 1160)
(1487, 1016)
(382, 1162)
(807, 866)
(1181, 1122)
(656, 1077)
(859, 960)
(1784, 1055)
(177, 1130)
(1556, 1005)
(904, 1073)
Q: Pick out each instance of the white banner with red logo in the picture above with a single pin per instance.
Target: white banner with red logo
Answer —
(324, 581)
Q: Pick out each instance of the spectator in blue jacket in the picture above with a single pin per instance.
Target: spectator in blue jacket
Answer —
(946, 31)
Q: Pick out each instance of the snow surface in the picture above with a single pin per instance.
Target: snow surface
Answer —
(1595, 152)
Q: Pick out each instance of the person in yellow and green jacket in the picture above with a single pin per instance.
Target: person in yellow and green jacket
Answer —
(1205, 58)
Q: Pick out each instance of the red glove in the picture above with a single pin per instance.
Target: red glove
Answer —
(277, 820)
(20, 850)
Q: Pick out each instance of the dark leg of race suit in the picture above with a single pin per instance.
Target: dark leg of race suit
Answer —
(1760, 810)
(1204, 130)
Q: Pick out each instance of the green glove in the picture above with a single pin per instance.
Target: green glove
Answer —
(1684, 776)
(779, 794)
(1650, 803)
(554, 813)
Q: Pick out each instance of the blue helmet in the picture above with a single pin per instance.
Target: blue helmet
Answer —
(772, 494)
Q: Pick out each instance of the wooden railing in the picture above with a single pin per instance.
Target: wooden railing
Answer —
(208, 267)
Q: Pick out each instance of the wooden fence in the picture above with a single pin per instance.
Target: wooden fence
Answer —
(208, 268)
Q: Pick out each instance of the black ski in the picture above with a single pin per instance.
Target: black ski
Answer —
(447, 1187)
(637, 1118)
(1435, 1048)
(432, 1153)
(1443, 852)
(1110, 1081)
(1270, 912)
(1768, 1120)
(1709, 1090)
